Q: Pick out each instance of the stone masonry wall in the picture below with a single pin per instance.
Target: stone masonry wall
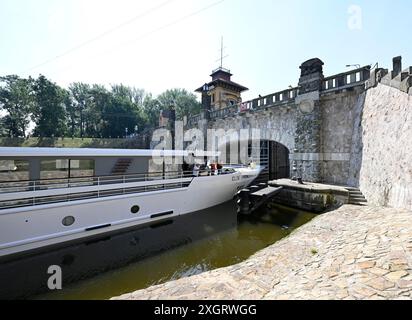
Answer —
(386, 171)
(276, 124)
(339, 113)
(332, 132)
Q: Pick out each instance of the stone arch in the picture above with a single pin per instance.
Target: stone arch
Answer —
(273, 155)
(277, 126)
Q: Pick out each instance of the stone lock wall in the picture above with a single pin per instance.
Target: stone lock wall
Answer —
(386, 164)
(339, 117)
(351, 129)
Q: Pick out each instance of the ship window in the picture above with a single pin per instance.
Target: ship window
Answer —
(81, 168)
(68, 221)
(14, 170)
(65, 168)
(135, 209)
(54, 169)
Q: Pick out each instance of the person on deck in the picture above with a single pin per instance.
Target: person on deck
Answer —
(196, 169)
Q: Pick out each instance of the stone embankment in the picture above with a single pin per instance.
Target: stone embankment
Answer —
(351, 253)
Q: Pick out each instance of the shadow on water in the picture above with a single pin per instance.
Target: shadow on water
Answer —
(150, 255)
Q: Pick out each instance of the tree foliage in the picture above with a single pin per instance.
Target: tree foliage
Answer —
(49, 112)
(84, 110)
(185, 103)
(17, 100)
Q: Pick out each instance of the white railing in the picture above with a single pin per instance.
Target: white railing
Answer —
(40, 192)
(54, 191)
(60, 183)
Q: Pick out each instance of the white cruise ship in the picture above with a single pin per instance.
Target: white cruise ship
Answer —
(50, 196)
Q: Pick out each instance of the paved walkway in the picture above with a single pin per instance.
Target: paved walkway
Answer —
(351, 253)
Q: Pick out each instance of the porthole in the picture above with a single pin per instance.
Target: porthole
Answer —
(135, 209)
(68, 221)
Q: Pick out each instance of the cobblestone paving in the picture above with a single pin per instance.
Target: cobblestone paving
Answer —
(351, 253)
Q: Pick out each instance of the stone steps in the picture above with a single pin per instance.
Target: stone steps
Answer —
(356, 197)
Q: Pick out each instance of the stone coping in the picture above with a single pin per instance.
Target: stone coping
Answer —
(310, 187)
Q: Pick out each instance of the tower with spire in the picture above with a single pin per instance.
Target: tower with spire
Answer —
(221, 92)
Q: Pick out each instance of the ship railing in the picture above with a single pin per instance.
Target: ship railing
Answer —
(76, 182)
(51, 191)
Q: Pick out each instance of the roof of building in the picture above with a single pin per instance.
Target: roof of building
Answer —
(222, 82)
(221, 77)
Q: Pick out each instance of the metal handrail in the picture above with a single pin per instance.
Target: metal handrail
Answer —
(59, 183)
(167, 177)
(36, 201)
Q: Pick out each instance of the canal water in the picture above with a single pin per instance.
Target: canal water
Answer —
(150, 255)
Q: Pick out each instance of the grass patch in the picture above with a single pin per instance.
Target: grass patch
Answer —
(68, 143)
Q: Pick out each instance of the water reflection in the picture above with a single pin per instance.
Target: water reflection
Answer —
(150, 255)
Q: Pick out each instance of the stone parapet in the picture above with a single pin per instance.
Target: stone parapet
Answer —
(397, 78)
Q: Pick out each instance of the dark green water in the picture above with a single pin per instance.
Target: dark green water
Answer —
(150, 255)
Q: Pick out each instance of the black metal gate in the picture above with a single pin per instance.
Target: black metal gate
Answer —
(275, 158)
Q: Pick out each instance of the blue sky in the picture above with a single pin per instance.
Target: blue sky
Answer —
(162, 44)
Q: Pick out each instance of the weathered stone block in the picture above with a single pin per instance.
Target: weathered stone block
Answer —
(372, 82)
(406, 84)
(404, 75)
(397, 66)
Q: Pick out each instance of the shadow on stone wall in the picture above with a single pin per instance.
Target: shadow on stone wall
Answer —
(356, 157)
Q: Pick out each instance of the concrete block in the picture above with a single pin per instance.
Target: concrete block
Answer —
(404, 75)
(397, 66)
(406, 84)
(408, 70)
(372, 82)
(386, 78)
(382, 73)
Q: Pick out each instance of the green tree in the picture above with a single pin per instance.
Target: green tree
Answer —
(100, 98)
(49, 111)
(151, 109)
(16, 99)
(81, 97)
(72, 115)
(185, 103)
(123, 112)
